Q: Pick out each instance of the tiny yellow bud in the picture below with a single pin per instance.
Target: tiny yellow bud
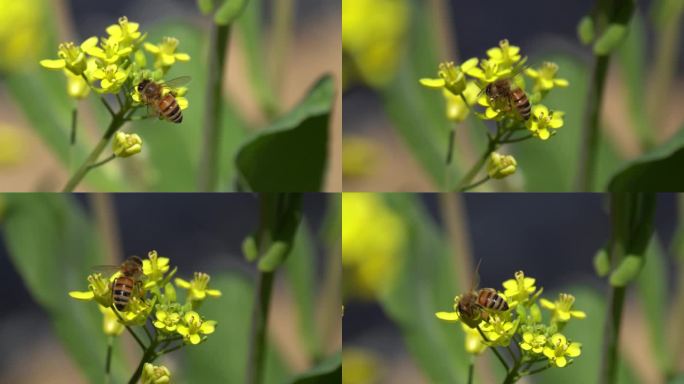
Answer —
(126, 144)
(500, 166)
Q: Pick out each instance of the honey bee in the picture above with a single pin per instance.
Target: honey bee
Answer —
(512, 97)
(124, 285)
(477, 304)
(165, 105)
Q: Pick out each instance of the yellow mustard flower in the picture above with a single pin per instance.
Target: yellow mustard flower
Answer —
(500, 166)
(474, 344)
(534, 342)
(562, 308)
(112, 77)
(110, 51)
(110, 322)
(71, 57)
(456, 108)
(499, 329)
(451, 77)
(505, 54)
(489, 71)
(125, 145)
(369, 260)
(153, 374)
(21, 26)
(373, 35)
(99, 289)
(558, 347)
(125, 32)
(137, 310)
(542, 120)
(165, 53)
(193, 327)
(545, 77)
(166, 320)
(197, 287)
(518, 290)
(155, 266)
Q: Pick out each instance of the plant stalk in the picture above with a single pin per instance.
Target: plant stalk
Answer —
(257, 347)
(218, 57)
(108, 361)
(590, 130)
(148, 357)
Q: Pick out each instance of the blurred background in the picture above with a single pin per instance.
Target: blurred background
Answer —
(394, 283)
(32, 29)
(48, 244)
(395, 130)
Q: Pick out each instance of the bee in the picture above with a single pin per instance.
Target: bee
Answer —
(511, 96)
(127, 283)
(477, 304)
(165, 105)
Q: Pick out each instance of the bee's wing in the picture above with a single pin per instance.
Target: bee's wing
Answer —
(106, 269)
(177, 82)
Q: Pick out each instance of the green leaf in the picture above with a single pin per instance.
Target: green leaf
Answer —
(223, 357)
(290, 155)
(59, 262)
(229, 11)
(602, 262)
(300, 269)
(610, 39)
(627, 271)
(425, 284)
(329, 371)
(585, 30)
(205, 6)
(657, 171)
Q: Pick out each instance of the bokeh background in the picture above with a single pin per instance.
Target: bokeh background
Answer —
(405, 257)
(395, 131)
(32, 29)
(67, 235)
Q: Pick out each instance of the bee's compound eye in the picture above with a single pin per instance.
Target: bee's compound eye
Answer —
(141, 86)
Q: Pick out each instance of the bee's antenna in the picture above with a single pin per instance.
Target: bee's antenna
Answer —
(476, 276)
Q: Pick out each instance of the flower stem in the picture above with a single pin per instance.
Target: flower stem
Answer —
(135, 336)
(257, 346)
(471, 368)
(117, 122)
(108, 361)
(475, 184)
(218, 56)
(493, 348)
(148, 357)
(449, 156)
(590, 130)
(72, 136)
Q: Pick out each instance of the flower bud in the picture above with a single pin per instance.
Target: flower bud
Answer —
(153, 374)
(126, 144)
(500, 165)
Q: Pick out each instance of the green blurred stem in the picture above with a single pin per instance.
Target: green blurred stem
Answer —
(590, 129)
(102, 162)
(498, 355)
(449, 156)
(74, 117)
(611, 335)
(118, 120)
(471, 368)
(149, 356)
(108, 361)
(475, 184)
(257, 345)
(281, 37)
(218, 57)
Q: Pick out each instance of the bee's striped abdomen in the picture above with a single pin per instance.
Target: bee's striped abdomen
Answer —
(121, 291)
(169, 108)
(488, 298)
(522, 104)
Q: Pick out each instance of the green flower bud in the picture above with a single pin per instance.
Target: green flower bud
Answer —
(126, 144)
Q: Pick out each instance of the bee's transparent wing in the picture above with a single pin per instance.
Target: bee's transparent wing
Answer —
(177, 82)
(106, 269)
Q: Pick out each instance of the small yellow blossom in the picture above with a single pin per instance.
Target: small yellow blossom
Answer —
(533, 342)
(125, 145)
(154, 267)
(505, 54)
(545, 77)
(562, 308)
(451, 77)
(193, 327)
(137, 310)
(198, 287)
(111, 78)
(124, 33)
(558, 348)
(165, 52)
(456, 109)
(71, 57)
(500, 166)
(110, 51)
(489, 71)
(474, 343)
(166, 320)
(499, 329)
(542, 120)
(518, 290)
(153, 374)
(99, 290)
(110, 322)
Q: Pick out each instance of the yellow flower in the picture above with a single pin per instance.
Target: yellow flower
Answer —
(71, 57)
(489, 71)
(153, 374)
(124, 33)
(125, 145)
(505, 54)
(198, 287)
(370, 261)
(545, 77)
(77, 86)
(533, 342)
(499, 329)
(21, 27)
(558, 348)
(520, 289)
(154, 267)
(111, 78)
(562, 308)
(110, 51)
(99, 290)
(451, 77)
(474, 343)
(456, 108)
(166, 320)
(500, 166)
(541, 121)
(193, 327)
(373, 34)
(137, 310)
(165, 52)
(110, 322)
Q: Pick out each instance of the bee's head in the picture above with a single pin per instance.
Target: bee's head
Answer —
(142, 85)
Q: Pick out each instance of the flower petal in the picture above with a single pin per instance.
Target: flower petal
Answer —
(448, 316)
(82, 295)
(195, 338)
(562, 83)
(89, 43)
(208, 327)
(548, 352)
(213, 292)
(53, 64)
(182, 57)
(182, 283)
(182, 330)
(561, 361)
(573, 350)
(510, 285)
(432, 83)
(152, 48)
(578, 314)
(468, 64)
(547, 304)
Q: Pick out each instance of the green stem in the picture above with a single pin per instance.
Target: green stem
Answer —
(102, 162)
(471, 369)
(135, 336)
(117, 122)
(148, 356)
(590, 130)
(218, 56)
(475, 184)
(449, 156)
(257, 346)
(108, 361)
(72, 136)
(493, 348)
